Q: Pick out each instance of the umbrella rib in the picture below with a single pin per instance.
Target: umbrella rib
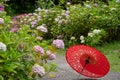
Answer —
(86, 62)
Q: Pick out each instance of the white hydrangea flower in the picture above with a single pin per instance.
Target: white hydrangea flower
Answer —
(90, 34)
(38, 69)
(47, 11)
(82, 37)
(35, 14)
(3, 46)
(72, 38)
(64, 14)
(96, 31)
(25, 19)
(21, 21)
(48, 52)
(59, 17)
(113, 9)
(1, 20)
(104, 6)
(67, 12)
(39, 38)
(88, 6)
(56, 19)
(42, 28)
(29, 19)
(38, 9)
(82, 41)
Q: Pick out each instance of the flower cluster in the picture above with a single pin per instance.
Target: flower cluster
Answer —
(1, 20)
(93, 37)
(37, 69)
(72, 41)
(63, 18)
(42, 28)
(41, 58)
(3, 46)
(82, 38)
(50, 55)
(68, 3)
(94, 32)
(31, 19)
(58, 43)
(39, 49)
(72, 38)
(1, 8)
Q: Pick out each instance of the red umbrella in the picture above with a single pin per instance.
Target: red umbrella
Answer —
(87, 61)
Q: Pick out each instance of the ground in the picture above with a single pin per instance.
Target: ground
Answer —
(65, 72)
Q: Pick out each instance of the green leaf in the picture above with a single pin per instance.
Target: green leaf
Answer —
(11, 67)
(53, 66)
(1, 77)
(1, 61)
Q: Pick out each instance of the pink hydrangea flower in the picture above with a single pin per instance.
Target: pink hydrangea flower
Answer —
(3, 46)
(51, 56)
(14, 29)
(58, 43)
(68, 3)
(39, 49)
(2, 8)
(38, 70)
(33, 24)
(59, 36)
(60, 21)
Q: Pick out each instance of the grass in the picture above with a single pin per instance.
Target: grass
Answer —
(111, 51)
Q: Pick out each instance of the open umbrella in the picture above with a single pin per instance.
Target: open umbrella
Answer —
(87, 61)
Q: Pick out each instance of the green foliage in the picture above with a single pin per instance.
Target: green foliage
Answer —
(84, 18)
(42, 4)
(15, 7)
(95, 37)
(79, 20)
(17, 53)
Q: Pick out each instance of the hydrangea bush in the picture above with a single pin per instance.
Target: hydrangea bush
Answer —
(74, 21)
(93, 37)
(24, 54)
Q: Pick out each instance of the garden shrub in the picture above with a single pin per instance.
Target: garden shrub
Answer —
(77, 20)
(23, 55)
(90, 16)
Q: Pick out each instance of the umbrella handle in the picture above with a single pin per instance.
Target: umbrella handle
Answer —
(86, 62)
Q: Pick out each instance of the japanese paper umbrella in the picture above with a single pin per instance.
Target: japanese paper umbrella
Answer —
(87, 61)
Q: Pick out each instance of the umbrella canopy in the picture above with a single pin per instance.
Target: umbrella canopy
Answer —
(87, 61)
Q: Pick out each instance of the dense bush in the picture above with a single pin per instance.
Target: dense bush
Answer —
(23, 54)
(92, 16)
(77, 20)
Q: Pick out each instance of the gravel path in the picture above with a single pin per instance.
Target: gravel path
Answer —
(65, 72)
